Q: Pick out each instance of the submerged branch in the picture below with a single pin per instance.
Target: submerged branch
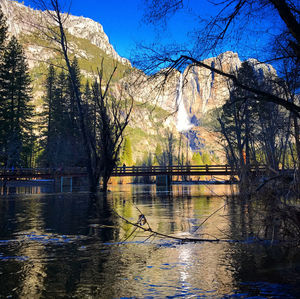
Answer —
(153, 233)
(149, 230)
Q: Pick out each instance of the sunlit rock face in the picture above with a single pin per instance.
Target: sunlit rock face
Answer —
(14, 11)
(93, 31)
(200, 91)
(262, 70)
(24, 20)
(190, 96)
(205, 90)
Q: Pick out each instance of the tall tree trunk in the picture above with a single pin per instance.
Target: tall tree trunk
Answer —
(297, 140)
(105, 183)
(94, 182)
(90, 168)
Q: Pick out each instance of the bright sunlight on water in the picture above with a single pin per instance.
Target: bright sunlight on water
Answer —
(72, 245)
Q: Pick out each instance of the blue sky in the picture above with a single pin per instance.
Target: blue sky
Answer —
(123, 22)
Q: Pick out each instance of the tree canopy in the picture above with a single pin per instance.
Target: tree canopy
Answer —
(16, 140)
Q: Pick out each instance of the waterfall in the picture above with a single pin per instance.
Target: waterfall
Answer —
(183, 122)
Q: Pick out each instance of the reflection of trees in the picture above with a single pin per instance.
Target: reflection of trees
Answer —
(100, 212)
(260, 263)
(245, 217)
(33, 275)
(7, 227)
(56, 264)
(80, 270)
(262, 218)
(88, 267)
(194, 265)
(173, 211)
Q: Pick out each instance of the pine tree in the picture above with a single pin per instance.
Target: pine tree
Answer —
(196, 159)
(60, 122)
(50, 99)
(64, 146)
(206, 158)
(74, 136)
(3, 123)
(15, 94)
(89, 108)
(60, 107)
(72, 102)
(127, 152)
(3, 31)
(158, 155)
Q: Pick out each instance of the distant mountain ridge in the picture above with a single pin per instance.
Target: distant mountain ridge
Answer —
(20, 19)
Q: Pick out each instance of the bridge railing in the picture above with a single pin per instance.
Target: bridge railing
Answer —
(172, 169)
(128, 170)
(189, 169)
(34, 172)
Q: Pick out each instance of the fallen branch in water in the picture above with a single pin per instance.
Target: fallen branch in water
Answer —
(196, 240)
(158, 234)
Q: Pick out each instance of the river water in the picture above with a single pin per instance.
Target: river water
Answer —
(72, 245)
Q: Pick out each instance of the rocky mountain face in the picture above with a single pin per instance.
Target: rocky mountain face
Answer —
(191, 96)
(202, 90)
(180, 105)
(23, 20)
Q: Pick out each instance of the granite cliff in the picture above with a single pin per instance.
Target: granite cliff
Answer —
(180, 105)
(22, 20)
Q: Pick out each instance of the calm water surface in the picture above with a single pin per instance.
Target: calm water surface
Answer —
(75, 246)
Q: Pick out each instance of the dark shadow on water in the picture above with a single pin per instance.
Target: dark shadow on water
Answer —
(101, 215)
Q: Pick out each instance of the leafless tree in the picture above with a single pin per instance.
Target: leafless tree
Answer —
(232, 17)
(112, 117)
(113, 114)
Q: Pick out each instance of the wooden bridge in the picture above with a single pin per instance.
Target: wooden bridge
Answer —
(133, 171)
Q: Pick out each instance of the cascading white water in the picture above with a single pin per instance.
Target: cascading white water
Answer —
(183, 121)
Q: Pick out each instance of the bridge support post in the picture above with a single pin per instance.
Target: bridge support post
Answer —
(61, 184)
(163, 180)
(70, 183)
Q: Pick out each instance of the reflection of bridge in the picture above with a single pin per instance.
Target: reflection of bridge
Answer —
(185, 170)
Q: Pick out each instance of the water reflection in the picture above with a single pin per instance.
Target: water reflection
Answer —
(26, 188)
(68, 245)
